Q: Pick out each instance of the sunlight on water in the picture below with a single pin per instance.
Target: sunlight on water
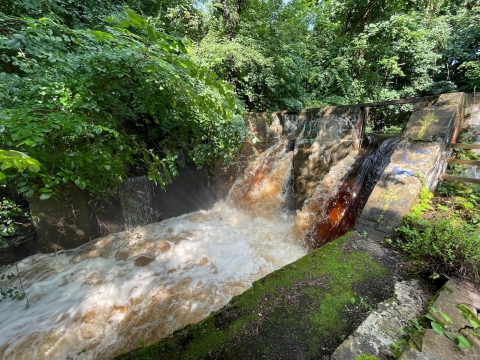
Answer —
(107, 296)
(135, 287)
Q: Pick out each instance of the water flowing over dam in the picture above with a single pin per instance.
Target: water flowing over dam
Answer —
(333, 209)
(135, 287)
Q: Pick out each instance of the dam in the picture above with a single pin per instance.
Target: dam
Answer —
(307, 187)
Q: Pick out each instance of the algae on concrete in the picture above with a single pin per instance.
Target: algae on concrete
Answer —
(301, 311)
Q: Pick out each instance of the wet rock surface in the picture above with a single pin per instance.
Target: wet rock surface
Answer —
(324, 137)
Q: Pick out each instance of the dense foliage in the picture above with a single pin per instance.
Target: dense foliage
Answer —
(89, 90)
(88, 104)
(441, 234)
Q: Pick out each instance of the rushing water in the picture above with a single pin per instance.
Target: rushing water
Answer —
(108, 296)
(333, 209)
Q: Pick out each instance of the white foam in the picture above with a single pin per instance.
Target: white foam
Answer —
(108, 295)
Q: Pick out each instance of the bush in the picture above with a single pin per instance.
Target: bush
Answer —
(89, 104)
(10, 214)
(441, 235)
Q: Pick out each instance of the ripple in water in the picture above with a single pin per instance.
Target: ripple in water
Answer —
(106, 296)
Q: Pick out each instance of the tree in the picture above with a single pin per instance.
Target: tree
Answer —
(88, 104)
(258, 47)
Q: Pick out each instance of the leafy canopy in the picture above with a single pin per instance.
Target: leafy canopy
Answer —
(89, 104)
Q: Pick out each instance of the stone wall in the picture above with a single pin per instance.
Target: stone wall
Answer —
(324, 137)
(259, 125)
(75, 218)
(430, 130)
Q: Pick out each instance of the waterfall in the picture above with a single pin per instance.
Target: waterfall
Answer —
(264, 188)
(144, 283)
(140, 285)
(340, 197)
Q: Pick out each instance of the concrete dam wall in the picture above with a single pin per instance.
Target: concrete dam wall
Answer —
(323, 137)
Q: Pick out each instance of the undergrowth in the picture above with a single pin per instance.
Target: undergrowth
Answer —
(441, 235)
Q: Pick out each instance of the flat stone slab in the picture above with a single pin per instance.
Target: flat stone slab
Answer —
(397, 190)
(439, 122)
(384, 325)
(432, 346)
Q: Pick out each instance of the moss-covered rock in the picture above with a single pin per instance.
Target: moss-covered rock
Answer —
(302, 311)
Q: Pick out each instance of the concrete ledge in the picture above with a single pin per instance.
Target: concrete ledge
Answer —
(398, 188)
(425, 144)
(384, 326)
(459, 300)
(439, 122)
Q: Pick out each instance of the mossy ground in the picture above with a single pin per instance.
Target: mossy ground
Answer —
(302, 311)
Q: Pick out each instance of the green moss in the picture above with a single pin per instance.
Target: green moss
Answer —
(304, 307)
(466, 312)
(366, 357)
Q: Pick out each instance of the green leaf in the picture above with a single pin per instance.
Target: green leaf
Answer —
(473, 323)
(45, 196)
(24, 189)
(151, 33)
(446, 317)
(99, 35)
(27, 142)
(437, 328)
(134, 17)
(34, 168)
(416, 324)
(450, 336)
(463, 343)
(124, 24)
